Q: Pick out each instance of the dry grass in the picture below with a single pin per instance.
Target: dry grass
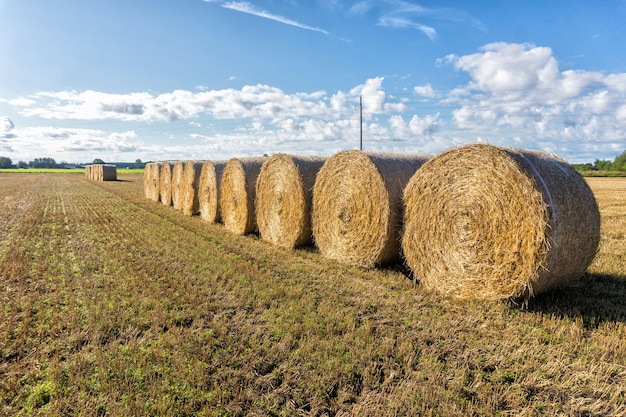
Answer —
(208, 190)
(114, 305)
(238, 194)
(357, 202)
(284, 194)
(491, 223)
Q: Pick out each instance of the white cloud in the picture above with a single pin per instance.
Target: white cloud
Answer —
(245, 7)
(425, 91)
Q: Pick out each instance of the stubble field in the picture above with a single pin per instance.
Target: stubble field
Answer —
(113, 305)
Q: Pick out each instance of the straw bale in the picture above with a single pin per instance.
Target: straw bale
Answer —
(208, 190)
(238, 192)
(284, 193)
(177, 185)
(165, 183)
(357, 201)
(489, 223)
(108, 172)
(153, 171)
(147, 172)
(189, 187)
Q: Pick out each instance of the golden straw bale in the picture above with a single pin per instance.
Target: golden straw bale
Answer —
(237, 194)
(147, 172)
(208, 190)
(489, 223)
(165, 183)
(189, 187)
(284, 193)
(177, 185)
(357, 201)
(154, 179)
(88, 172)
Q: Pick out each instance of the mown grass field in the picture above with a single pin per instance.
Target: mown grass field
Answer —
(112, 305)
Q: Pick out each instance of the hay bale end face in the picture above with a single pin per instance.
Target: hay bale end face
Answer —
(237, 194)
(284, 194)
(108, 173)
(208, 190)
(189, 188)
(165, 183)
(357, 201)
(489, 223)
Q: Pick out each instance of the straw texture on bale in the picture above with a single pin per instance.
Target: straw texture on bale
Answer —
(152, 179)
(208, 190)
(284, 193)
(357, 201)
(177, 185)
(489, 223)
(189, 187)
(147, 171)
(165, 183)
(237, 194)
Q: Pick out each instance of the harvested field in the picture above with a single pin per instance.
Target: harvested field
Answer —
(114, 305)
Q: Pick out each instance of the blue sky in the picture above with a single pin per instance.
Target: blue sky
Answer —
(212, 79)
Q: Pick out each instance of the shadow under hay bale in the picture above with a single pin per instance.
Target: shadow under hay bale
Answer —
(238, 193)
(357, 201)
(165, 183)
(284, 193)
(208, 190)
(489, 223)
(189, 187)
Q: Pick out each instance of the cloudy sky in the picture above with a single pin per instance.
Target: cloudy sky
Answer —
(123, 80)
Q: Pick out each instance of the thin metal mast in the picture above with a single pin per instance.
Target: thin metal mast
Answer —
(361, 122)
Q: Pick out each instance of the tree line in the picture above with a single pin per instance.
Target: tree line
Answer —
(618, 164)
(6, 162)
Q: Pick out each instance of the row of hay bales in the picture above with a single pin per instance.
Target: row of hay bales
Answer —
(101, 172)
(473, 222)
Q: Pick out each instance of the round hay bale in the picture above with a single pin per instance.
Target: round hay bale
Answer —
(154, 181)
(357, 201)
(284, 193)
(237, 194)
(189, 187)
(489, 223)
(165, 183)
(177, 185)
(147, 172)
(208, 190)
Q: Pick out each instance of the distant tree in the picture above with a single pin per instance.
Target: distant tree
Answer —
(98, 161)
(43, 163)
(139, 164)
(22, 164)
(619, 164)
(602, 164)
(5, 162)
